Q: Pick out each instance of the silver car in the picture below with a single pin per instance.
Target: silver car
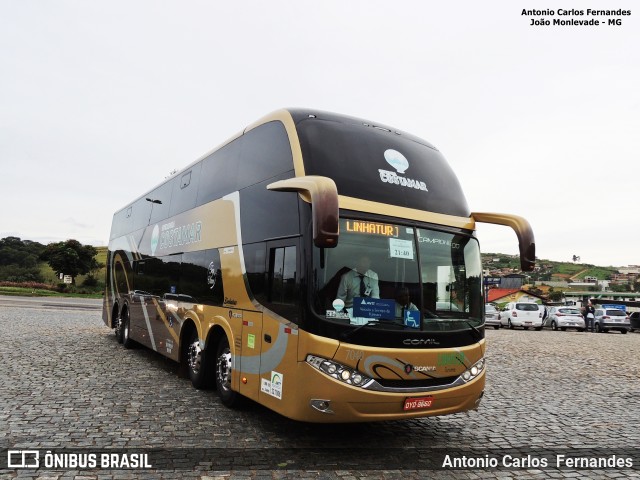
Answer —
(491, 316)
(611, 319)
(563, 318)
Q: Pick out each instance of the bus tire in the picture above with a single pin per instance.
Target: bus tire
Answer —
(125, 322)
(196, 361)
(227, 396)
(117, 325)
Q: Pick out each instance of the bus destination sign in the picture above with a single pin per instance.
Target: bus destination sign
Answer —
(372, 228)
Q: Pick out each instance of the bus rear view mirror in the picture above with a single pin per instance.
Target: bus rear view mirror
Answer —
(523, 230)
(322, 193)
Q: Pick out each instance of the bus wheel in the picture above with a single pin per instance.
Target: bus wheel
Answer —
(196, 361)
(117, 326)
(223, 374)
(125, 327)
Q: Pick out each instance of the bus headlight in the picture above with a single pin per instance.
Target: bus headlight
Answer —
(338, 371)
(472, 372)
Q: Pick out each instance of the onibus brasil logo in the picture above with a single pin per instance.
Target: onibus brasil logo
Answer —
(399, 162)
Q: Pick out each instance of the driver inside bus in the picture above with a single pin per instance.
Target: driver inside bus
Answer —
(359, 282)
(403, 303)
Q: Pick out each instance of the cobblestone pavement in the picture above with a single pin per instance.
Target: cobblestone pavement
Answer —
(67, 384)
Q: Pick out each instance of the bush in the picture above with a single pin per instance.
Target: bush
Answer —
(90, 281)
(15, 273)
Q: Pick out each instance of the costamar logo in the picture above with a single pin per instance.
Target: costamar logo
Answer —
(172, 236)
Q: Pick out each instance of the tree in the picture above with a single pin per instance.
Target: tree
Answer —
(70, 257)
(556, 295)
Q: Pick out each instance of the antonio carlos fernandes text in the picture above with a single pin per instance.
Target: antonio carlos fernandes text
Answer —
(530, 461)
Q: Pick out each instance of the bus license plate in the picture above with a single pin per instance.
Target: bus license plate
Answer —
(418, 403)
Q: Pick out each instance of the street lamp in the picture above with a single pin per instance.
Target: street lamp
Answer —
(152, 201)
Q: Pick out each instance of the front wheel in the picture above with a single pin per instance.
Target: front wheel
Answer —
(223, 374)
(623, 331)
(554, 326)
(496, 327)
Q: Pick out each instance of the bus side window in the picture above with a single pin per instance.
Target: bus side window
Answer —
(201, 277)
(185, 191)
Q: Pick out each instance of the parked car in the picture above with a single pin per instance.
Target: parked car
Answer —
(634, 321)
(491, 316)
(565, 317)
(611, 319)
(521, 314)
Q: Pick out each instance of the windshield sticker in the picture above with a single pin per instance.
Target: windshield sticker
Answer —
(334, 314)
(439, 242)
(412, 318)
(399, 248)
(400, 164)
(374, 307)
(338, 305)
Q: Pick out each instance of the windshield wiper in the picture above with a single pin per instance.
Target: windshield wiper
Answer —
(478, 335)
(347, 335)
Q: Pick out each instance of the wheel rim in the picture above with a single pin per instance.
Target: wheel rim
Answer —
(194, 356)
(125, 327)
(223, 369)
(118, 325)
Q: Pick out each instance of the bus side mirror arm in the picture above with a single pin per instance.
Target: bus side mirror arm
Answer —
(323, 195)
(521, 226)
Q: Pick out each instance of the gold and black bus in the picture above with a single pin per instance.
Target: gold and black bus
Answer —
(321, 265)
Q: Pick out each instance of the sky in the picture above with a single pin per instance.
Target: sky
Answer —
(101, 100)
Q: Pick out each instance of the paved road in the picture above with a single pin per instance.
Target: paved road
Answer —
(67, 386)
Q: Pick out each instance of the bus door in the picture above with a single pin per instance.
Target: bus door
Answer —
(279, 333)
(250, 351)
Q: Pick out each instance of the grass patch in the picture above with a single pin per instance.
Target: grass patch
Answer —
(41, 292)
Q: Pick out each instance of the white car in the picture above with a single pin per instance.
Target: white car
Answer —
(564, 317)
(521, 314)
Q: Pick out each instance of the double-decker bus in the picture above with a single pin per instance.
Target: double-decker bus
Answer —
(321, 265)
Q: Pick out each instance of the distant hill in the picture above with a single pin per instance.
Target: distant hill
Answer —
(548, 269)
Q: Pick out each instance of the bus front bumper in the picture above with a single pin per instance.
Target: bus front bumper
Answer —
(330, 401)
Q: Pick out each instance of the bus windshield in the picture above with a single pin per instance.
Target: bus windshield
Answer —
(398, 276)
